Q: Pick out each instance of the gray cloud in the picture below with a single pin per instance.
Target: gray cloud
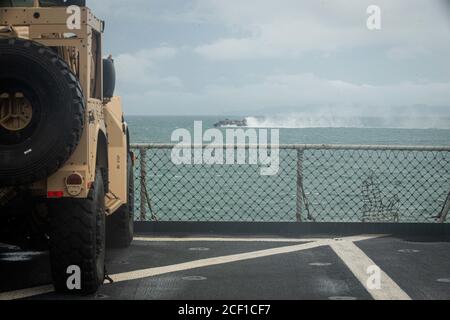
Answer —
(267, 56)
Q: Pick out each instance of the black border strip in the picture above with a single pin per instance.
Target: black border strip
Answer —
(290, 229)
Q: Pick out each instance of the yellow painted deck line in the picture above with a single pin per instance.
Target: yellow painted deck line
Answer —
(358, 263)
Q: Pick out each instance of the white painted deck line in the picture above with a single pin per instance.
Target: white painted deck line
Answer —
(358, 263)
(151, 272)
(207, 239)
(26, 293)
(229, 239)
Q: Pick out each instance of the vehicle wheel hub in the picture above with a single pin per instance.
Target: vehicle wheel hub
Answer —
(16, 111)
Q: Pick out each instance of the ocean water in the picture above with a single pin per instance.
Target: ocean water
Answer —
(339, 186)
(158, 129)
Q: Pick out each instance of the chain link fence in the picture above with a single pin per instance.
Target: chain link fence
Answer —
(315, 183)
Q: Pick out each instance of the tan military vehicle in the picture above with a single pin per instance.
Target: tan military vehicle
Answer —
(66, 169)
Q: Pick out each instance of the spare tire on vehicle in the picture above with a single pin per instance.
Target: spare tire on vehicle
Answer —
(41, 112)
(109, 78)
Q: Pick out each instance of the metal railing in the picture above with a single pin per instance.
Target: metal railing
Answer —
(315, 183)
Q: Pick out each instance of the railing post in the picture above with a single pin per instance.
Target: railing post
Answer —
(299, 184)
(445, 210)
(143, 181)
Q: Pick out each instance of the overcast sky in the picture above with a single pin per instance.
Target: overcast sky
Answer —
(262, 57)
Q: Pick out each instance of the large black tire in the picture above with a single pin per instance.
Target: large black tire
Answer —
(46, 143)
(120, 225)
(77, 238)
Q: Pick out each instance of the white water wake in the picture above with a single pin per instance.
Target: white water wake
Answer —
(328, 121)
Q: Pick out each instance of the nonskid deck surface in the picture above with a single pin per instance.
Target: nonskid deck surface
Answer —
(200, 267)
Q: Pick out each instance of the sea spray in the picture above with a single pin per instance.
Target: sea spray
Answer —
(300, 120)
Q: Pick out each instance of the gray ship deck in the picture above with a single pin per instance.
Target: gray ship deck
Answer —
(246, 267)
